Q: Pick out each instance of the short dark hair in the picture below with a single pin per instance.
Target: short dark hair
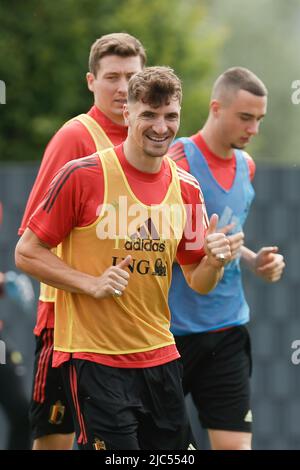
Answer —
(155, 86)
(121, 44)
(235, 79)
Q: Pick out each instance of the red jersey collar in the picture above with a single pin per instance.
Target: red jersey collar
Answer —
(107, 123)
(202, 145)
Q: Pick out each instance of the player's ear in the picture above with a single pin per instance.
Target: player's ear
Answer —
(214, 107)
(126, 114)
(90, 77)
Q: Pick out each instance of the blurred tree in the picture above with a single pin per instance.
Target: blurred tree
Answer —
(263, 35)
(44, 50)
(177, 34)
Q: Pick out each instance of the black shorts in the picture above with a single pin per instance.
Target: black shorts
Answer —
(217, 370)
(49, 409)
(128, 409)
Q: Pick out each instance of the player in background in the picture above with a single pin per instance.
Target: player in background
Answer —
(113, 59)
(210, 330)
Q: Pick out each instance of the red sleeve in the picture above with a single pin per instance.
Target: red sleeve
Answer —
(177, 154)
(190, 249)
(251, 166)
(72, 200)
(70, 142)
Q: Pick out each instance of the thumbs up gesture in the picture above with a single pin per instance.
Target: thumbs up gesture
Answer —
(113, 281)
(216, 244)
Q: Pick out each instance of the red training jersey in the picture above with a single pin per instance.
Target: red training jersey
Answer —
(75, 202)
(222, 169)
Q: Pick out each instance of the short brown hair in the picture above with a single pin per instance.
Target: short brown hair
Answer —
(235, 79)
(121, 44)
(155, 86)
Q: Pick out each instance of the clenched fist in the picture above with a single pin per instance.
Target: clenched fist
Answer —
(113, 281)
